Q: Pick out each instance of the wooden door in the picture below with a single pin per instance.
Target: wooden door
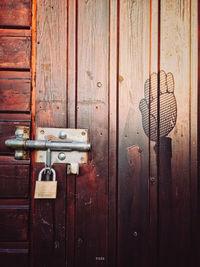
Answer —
(128, 71)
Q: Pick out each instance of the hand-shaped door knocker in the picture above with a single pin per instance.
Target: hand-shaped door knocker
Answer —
(158, 108)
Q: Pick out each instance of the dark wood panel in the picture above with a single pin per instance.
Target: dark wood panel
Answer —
(49, 216)
(15, 13)
(113, 132)
(15, 95)
(153, 159)
(174, 155)
(10, 159)
(15, 90)
(14, 220)
(49, 223)
(71, 123)
(92, 113)
(15, 52)
(70, 219)
(133, 165)
(14, 257)
(15, 117)
(14, 181)
(14, 254)
(195, 203)
(7, 131)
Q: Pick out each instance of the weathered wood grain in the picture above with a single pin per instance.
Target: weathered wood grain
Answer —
(15, 95)
(15, 32)
(195, 218)
(49, 216)
(15, 117)
(92, 113)
(14, 51)
(15, 91)
(174, 185)
(72, 63)
(18, 75)
(71, 123)
(113, 131)
(15, 13)
(77, 86)
(14, 181)
(14, 254)
(153, 157)
(133, 156)
(51, 63)
(49, 223)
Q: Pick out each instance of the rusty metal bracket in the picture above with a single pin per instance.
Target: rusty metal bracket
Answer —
(69, 146)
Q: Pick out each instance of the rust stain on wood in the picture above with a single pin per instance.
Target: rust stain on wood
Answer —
(89, 73)
(15, 52)
(134, 156)
(121, 78)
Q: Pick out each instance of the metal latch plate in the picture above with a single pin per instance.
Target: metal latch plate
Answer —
(62, 134)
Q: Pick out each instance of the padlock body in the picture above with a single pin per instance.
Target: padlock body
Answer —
(45, 189)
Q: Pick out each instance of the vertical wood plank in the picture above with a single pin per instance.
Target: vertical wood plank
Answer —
(71, 123)
(195, 259)
(133, 143)
(113, 132)
(33, 104)
(49, 219)
(72, 61)
(92, 113)
(51, 63)
(174, 184)
(153, 175)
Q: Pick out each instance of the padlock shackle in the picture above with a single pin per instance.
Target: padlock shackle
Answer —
(44, 170)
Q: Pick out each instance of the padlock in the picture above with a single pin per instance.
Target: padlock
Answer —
(46, 189)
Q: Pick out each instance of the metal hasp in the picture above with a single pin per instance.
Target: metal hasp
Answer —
(65, 145)
(44, 145)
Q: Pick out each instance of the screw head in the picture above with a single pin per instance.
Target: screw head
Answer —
(62, 135)
(99, 84)
(152, 180)
(19, 133)
(19, 154)
(61, 156)
(135, 234)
